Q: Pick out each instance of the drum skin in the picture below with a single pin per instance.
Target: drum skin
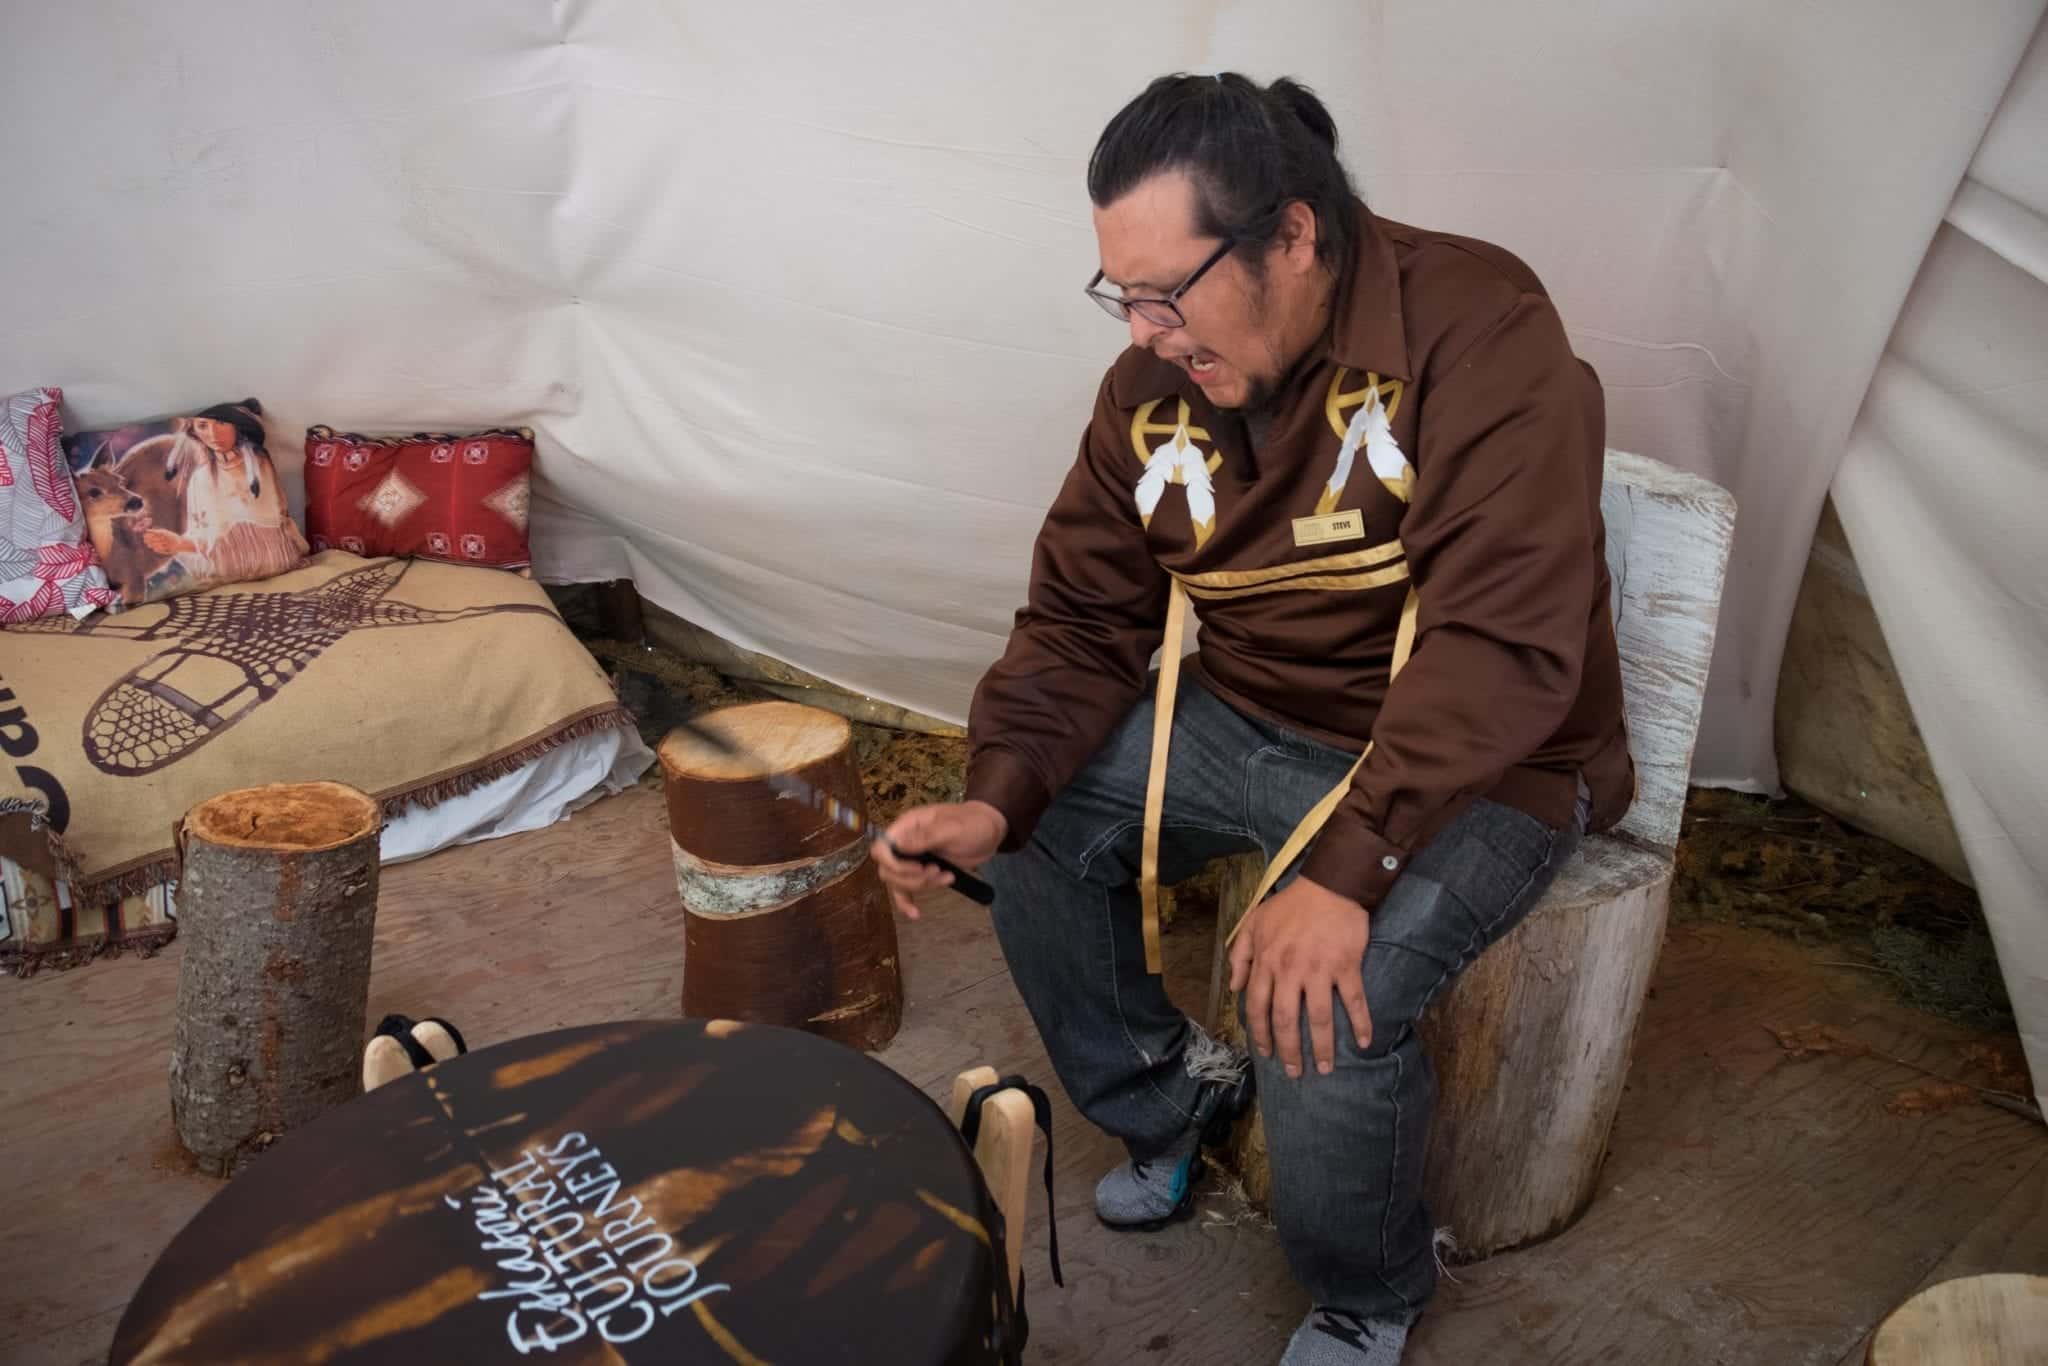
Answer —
(639, 1192)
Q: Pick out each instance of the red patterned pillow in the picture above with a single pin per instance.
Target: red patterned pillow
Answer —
(430, 496)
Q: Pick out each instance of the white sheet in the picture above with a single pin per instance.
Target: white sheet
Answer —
(1942, 494)
(553, 787)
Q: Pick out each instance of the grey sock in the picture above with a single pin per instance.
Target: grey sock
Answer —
(1331, 1337)
(1142, 1194)
(1148, 1194)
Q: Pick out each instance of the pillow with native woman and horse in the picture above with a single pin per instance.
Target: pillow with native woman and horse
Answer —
(179, 504)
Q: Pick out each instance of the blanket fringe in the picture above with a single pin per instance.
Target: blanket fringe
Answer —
(430, 795)
(64, 867)
(137, 881)
(26, 960)
(147, 877)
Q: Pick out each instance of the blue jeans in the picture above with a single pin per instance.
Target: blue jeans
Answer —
(1346, 1148)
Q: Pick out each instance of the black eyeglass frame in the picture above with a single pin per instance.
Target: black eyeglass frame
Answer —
(1120, 308)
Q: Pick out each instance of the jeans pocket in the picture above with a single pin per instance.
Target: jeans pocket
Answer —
(1282, 784)
(1517, 840)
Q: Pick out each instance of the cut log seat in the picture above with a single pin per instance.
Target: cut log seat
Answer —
(1531, 1043)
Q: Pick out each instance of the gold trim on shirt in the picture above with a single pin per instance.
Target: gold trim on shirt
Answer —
(1339, 399)
(1320, 583)
(1143, 426)
(1321, 564)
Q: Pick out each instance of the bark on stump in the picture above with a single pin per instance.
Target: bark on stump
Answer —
(786, 920)
(277, 908)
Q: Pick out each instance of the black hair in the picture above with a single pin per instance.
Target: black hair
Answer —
(1251, 150)
(245, 417)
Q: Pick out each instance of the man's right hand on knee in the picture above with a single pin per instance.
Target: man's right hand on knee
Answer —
(966, 833)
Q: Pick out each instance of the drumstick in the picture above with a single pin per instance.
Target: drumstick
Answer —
(788, 784)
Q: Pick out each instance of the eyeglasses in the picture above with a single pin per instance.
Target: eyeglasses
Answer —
(1159, 312)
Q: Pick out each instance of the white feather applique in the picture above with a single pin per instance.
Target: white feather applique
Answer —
(1158, 474)
(1371, 430)
(1177, 460)
(1194, 472)
(1341, 476)
(1383, 453)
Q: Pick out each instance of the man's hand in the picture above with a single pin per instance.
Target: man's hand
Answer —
(1304, 941)
(967, 833)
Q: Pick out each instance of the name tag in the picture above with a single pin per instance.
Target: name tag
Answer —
(1334, 526)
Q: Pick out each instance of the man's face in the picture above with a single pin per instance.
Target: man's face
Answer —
(1240, 324)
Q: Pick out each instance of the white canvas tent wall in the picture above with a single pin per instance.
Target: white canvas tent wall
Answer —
(1943, 492)
(790, 290)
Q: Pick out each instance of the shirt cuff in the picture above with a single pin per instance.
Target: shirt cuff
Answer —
(1006, 782)
(1354, 860)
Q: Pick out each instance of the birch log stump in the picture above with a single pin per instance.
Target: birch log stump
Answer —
(1986, 1320)
(786, 920)
(277, 907)
(1531, 1044)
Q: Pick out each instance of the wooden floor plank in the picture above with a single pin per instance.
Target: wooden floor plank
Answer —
(946, 951)
(1756, 1207)
(2013, 1237)
(78, 1344)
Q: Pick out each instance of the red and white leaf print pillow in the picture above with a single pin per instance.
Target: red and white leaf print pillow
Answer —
(430, 496)
(47, 566)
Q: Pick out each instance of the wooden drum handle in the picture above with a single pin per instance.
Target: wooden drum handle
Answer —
(964, 882)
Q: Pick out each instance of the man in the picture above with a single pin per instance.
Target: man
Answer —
(1367, 455)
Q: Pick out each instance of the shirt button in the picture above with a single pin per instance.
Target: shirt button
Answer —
(1390, 863)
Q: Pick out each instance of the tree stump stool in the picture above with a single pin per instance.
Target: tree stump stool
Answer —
(277, 908)
(1531, 1044)
(786, 920)
(1992, 1320)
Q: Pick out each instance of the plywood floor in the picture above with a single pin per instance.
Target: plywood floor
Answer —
(1757, 1207)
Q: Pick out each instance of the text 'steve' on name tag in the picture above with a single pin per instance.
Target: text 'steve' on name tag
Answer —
(1334, 526)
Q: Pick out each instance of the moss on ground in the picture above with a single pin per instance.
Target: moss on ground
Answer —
(899, 769)
(1788, 867)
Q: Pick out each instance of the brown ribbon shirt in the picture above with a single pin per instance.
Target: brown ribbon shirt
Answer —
(1442, 437)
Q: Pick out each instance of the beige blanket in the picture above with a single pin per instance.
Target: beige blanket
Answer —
(412, 680)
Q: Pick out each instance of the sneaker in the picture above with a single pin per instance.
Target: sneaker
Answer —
(1332, 1337)
(1148, 1195)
